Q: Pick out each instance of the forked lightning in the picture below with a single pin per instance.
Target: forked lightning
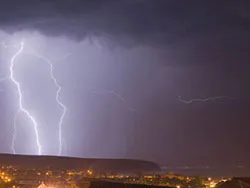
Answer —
(21, 108)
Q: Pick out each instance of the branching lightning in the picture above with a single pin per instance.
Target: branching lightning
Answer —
(204, 99)
(20, 102)
(59, 102)
(117, 95)
(25, 111)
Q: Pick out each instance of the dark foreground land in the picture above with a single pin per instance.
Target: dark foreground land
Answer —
(107, 184)
(64, 163)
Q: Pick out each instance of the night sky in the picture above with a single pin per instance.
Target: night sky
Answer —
(149, 53)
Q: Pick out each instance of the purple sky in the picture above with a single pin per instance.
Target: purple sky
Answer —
(148, 52)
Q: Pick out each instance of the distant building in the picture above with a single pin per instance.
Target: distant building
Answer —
(42, 185)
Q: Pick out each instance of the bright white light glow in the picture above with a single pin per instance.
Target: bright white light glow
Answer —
(59, 102)
(20, 101)
(21, 49)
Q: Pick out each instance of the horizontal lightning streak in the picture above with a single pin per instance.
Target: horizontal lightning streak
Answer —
(204, 99)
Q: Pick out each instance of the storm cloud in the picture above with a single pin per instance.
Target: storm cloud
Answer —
(130, 21)
(204, 28)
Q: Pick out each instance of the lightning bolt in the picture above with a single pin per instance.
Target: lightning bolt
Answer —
(22, 109)
(59, 102)
(20, 101)
(204, 99)
(117, 95)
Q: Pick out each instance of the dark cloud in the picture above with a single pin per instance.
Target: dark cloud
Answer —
(147, 21)
(204, 32)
